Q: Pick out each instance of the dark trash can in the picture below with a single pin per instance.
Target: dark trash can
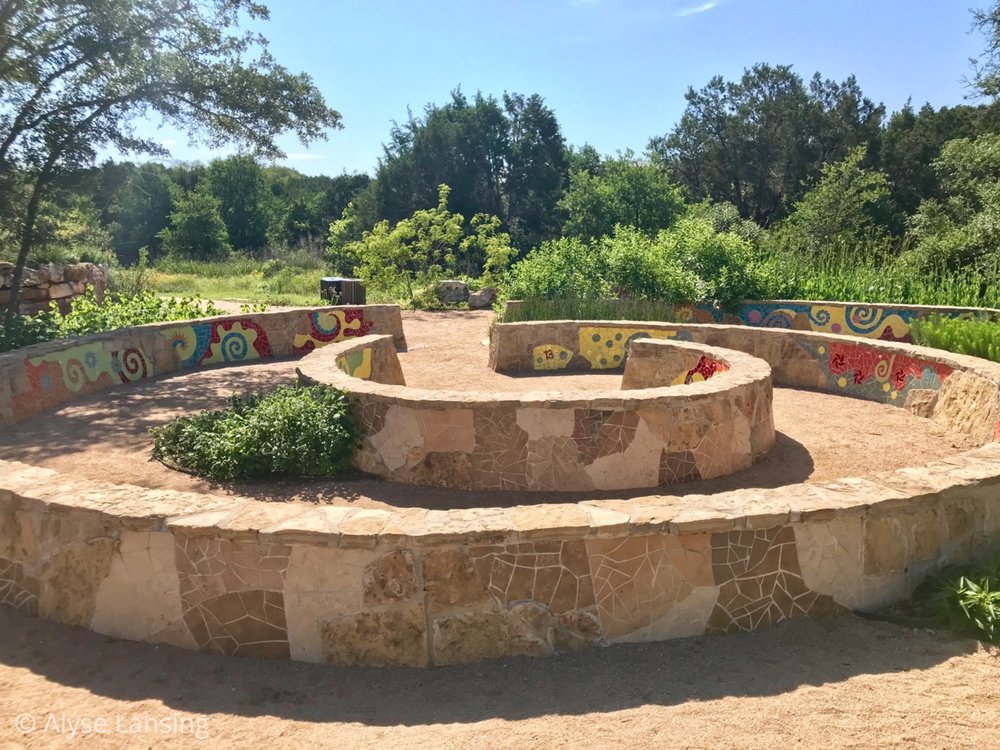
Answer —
(341, 291)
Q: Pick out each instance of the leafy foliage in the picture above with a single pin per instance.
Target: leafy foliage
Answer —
(963, 598)
(850, 206)
(425, 246)
(691, 262)
(288, 432)
(963, 228)
(975, 337)
(623, 191)
(756, 142)
(87, 316)
(503, 158)
(74, 75)
(197, 230)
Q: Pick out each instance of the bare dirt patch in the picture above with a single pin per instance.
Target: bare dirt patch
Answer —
(837, 683)
(106, 436)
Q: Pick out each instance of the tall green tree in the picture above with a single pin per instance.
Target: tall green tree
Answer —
(625, 192)
(506, 159)
(912, 140)
(75, 73)
(197, 230)
(758, 142)
(963, 227)
(244, 200)
(849, 207)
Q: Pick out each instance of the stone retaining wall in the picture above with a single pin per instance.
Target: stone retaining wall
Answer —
(52, 283)
(37, 378)
(553, 441)
(418, 587)
(961, 393)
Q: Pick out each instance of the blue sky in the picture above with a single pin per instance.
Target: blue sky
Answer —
(614, 71)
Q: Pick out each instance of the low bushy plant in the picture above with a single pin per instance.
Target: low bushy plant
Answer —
(86, 316)
(291, 431)
(977, 337)
(963, 598)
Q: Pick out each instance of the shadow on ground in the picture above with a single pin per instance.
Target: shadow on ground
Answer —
(767, 663)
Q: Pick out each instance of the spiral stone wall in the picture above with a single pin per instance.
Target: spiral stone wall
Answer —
(417, 586)
(696, 413)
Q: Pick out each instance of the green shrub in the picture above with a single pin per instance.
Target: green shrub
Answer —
(965, 599)
(290, 431)
(589, 309)
(647, 268)
(26, 330)
(976, 337)
(564, 268)
(86, 316)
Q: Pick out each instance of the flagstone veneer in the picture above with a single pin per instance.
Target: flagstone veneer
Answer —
(416, 587)
(686, 412)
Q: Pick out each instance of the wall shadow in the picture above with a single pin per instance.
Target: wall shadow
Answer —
(767, 663)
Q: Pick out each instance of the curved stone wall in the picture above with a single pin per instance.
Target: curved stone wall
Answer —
(702, 427)
(887, 322)
(38, 378)
(417, 586)
(962, 393)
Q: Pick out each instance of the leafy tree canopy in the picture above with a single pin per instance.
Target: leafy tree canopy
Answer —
(758, 141)
(75, 74)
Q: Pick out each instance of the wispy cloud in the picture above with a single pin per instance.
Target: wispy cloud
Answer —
(303, 156)
(696, 9)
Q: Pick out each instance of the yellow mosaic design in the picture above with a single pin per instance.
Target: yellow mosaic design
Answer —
(551, 357)
(356, 364)
(329, 321)
(604, 347)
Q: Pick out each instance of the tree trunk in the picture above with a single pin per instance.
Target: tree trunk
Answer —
(27, 239)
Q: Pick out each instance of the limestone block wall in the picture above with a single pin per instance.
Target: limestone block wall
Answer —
(52, 283)
(552, 441)
(416, 587)
(37, 378)
(959, 392)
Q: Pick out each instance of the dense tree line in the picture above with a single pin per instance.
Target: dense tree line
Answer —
(811, 164)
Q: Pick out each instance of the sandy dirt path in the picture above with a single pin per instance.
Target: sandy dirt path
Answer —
(841, 683)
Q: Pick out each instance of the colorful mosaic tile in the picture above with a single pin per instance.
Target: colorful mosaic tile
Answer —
(875, 375)
(327, 326)
(605, 347)
(212, 343)
(705, 369)
(357, 364)
(551, 357)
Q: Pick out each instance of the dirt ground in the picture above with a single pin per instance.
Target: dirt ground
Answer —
(844, 682)
(841, 683)
(106, 435)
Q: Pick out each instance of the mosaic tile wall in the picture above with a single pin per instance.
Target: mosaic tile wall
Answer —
(414, 587)
(883, 322)
(37, 378)
(555, 442)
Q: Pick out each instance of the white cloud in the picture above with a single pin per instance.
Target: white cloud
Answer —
(694, 10)
(303, 156)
